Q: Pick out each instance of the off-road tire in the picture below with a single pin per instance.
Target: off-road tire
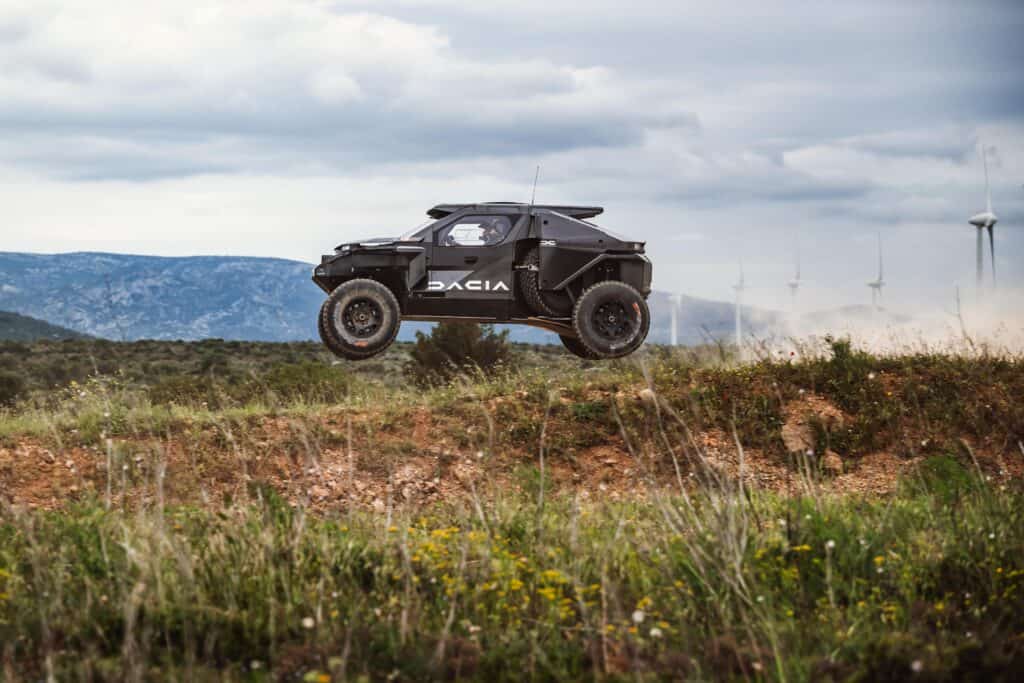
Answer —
(576, 348)
(551, 305)
(359, 319)
(611, 319)
(320, 325)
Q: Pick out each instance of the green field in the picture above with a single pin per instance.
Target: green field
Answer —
(639, 520)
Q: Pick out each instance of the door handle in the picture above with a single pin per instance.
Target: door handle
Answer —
(471, 259)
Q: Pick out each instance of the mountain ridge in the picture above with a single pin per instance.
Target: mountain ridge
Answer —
(138, 296)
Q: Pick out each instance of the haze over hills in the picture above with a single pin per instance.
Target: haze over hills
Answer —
(121, 296)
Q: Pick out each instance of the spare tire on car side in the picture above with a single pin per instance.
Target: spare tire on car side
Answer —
(360, 318)
(611, 319)
(551, 304)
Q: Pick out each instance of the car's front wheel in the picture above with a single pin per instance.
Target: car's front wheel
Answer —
(359, 319)
(611, 319)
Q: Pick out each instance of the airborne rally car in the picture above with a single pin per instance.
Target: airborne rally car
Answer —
(546, 266)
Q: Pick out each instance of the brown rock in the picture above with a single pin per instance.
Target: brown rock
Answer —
(797, 435)
(832, 463)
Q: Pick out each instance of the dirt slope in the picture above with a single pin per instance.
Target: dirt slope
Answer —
(335, 459)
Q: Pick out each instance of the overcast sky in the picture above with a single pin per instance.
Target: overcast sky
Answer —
(715, 131)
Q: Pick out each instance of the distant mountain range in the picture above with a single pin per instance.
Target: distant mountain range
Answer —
(15, 327)
(120, 296)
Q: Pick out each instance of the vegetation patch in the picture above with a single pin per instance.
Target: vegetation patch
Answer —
(713, 586)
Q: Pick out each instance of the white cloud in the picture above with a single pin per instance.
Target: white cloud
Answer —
(296, 82)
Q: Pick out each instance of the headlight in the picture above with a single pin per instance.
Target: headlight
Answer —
(321, 271)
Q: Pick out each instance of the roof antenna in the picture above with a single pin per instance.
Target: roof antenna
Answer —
(535, 176)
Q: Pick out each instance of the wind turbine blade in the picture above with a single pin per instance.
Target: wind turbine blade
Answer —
(992, 248)
(796, 248)
(988, 194)
(879, 257)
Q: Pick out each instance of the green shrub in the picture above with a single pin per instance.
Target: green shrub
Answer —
(453, 348)
(186, 390)
(12, 386)
(310, 381)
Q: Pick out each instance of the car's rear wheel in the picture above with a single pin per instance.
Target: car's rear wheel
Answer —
(576, 347)
(359, 319)
(551, 304)
(321, 327)
(611, 319)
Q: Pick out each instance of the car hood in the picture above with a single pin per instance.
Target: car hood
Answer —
(369, 243)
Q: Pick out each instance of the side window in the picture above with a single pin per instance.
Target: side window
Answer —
(475, 231)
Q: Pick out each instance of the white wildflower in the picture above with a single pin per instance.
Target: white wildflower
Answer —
(656, 632)
(916, 666)
(830, 544)
(308, 622)
(638, 616)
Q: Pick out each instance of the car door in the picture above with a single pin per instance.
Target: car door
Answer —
(471, 260)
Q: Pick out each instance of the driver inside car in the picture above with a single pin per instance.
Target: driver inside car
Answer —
(492, 232)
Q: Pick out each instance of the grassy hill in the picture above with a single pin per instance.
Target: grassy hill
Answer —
(268, 515)
(15, 327)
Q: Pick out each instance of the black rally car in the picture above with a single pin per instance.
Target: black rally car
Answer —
(499, 262)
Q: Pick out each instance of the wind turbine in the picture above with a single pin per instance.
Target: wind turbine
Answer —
(673, 300)
(877, 284)
(794, 284)
(986, 220)
(740, 286)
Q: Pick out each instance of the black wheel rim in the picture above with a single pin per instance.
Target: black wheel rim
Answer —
(612, 321)
(362, 318)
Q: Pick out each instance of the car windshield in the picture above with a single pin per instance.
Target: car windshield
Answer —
(418, 233)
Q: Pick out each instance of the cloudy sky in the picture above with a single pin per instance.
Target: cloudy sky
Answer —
(718, 132)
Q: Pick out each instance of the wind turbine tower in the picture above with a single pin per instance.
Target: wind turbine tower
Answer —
(740, 287)
(877, 284)
(674, 300)
(986, 220)
(794, 284)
